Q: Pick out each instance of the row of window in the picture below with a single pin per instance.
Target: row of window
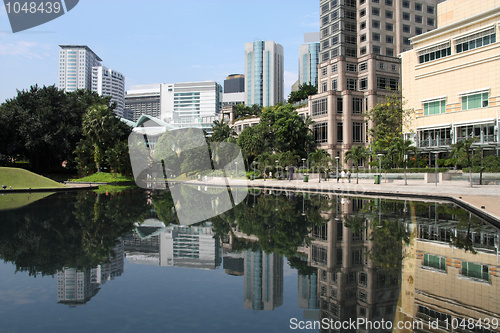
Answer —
(352, 84)
(469, 102)
(359, 132)
(320, 106)
(469, 269)
(461, 45)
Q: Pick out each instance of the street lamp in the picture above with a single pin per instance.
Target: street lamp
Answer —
(276, 169)
(303, 166)
(236, 169)
(380, 165)
(436, 153)
(337, 175)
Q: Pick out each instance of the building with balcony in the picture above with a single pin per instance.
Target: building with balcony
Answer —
(451, 79)
(108, 82)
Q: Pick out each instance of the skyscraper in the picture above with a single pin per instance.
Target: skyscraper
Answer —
(75, 67)
(108, 82)
(263, 73)
(308, 63)
(360, 42)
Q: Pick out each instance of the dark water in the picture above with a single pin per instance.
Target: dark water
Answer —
(277, 262)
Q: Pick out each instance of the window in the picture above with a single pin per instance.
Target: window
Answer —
(340, 132)
(362, 50)
(389, 26)
(351, 84)
(351, 67)
(418, 31)
(430, 21)
(324, 71)
(362, 12)
(362, 38)
(434, 53)
(434, 107)
(475, 101)
(334, 68)
(388, 2)
(430, 9)
(363, 66)
(324, 87)
(350, 3)
(418, 19)
(406, 16)
(319, 107)
(340, 105)
(376, 11)
(350, 26)
(325, 19)
(389, 14)
(320, 132)
(389, 52)
(325, 44)
(406, 28)
(376, 49)
(406, 4)
(362, 25)
(474, 270)
(349, 14)
(350, 39)
(334, 3)
(389, 39)
(357, 105)
(418, 6)
(350, 52)
(475, 40)
(334, 85)
(436, 262)
(335, 15)
(357, 257)
(393, 67)
(381, 65)
(376, 37)
(376, 24)
(406, 41)
(384, 83)
(363, 83)
(325, 8)
(357, 132)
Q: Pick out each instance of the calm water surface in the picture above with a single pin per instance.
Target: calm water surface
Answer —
(277, 262)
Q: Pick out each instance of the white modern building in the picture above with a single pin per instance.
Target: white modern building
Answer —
(75, 67)
(308, 63)
(186, 104)
(263, 73)
(108, 82)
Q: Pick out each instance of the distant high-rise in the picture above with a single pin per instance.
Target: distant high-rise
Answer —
(107, 82)
(234, 90)
(263, 73)
(308, 63)
(75, 67)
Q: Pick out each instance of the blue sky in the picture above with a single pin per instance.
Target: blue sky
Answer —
(155, 41)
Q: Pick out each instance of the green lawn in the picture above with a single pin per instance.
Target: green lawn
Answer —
(18, 200)
(104, 177)
(23, 179)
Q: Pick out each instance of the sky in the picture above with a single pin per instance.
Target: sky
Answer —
(157, 41)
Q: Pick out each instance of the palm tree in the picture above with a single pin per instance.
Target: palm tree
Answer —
(97, 125)
(462, 151)
(401, 148)
(356, 154)
(221, 131)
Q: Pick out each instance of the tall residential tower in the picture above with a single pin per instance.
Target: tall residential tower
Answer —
(359, 65)
(75, 67)
(263, 73)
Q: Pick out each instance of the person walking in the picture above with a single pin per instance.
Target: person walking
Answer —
(349, 175)
(342, 175)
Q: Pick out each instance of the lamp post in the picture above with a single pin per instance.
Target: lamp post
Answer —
(380, 165)
(303, 166)
(436, 153)
(337, 160)
(276, 169)
(236, 169)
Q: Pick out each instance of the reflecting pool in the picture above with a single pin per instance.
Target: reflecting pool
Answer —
(279, 261)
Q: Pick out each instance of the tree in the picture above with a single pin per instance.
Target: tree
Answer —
(251, 142)
(356, 154)
(221, 131)
(305, 90)
(243, 110)
(462, 152)
(401, 149)
(388, 118)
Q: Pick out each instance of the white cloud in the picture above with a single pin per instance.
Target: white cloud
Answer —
(17, 48)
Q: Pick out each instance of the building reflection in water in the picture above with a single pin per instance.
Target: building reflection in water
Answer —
(76, 287)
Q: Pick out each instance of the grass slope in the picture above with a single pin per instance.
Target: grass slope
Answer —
(23, 179)
(18, 200)
(104, 177)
